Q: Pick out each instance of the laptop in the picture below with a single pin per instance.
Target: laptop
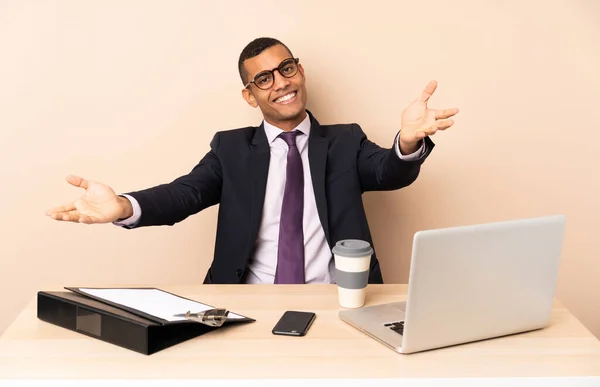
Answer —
(471, 283)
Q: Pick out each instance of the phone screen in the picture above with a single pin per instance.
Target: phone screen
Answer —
(294, 323)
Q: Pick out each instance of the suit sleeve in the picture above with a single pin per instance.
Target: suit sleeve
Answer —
(381, 169)
(167, 204)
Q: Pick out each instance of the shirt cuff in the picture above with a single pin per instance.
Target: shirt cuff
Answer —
(133, 219)
(413, 156)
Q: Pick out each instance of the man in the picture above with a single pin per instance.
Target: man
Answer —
(287, 190)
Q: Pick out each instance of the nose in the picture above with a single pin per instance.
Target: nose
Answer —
(279, 81)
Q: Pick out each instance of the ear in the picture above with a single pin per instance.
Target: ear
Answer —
(301, 69)
(249, 97)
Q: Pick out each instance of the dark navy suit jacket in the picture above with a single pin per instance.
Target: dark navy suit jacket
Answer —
(233, 174)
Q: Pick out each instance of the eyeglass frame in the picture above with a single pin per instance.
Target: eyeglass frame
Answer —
(295, 60)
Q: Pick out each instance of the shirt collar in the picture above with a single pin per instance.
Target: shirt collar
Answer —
(272, 131)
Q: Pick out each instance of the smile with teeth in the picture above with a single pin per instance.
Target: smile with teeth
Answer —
(286, 98)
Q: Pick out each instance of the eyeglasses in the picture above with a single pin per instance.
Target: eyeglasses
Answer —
(265, 79)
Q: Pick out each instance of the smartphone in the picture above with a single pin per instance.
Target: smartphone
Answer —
(293, 323)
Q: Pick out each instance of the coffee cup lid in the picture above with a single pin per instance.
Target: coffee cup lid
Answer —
(352, 248)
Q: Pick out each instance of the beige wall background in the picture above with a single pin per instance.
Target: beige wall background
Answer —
(131, 92)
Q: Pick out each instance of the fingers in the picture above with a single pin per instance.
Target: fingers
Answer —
(443, 124)
(446, 113)
(67, 216)
(77, 181)
(439, 125)
(85, 219)
(428, 91)
(71, 216)
(66, 208)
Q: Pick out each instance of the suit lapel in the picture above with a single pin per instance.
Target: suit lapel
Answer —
(317, 158)
(260, 154)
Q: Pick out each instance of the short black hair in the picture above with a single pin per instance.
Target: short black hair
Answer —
(253, 49)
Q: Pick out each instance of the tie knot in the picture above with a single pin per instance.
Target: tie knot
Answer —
(290, 137)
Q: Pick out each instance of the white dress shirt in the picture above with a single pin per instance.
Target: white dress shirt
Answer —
(319, 264)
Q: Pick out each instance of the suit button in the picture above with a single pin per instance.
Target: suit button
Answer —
(239, 272)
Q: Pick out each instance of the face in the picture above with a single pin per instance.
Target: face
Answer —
(283, 104)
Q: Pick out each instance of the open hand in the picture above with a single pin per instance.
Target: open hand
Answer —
(99, 204)
(419, 121)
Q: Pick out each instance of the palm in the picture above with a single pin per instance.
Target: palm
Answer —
(419, 121)
(416, 116)
(99, 204)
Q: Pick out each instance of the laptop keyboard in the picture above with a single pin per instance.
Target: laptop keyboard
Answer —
(397, 326)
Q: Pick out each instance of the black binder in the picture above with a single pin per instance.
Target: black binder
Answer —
(116, 324)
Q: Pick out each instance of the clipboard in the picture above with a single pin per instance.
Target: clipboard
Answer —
(136, 300)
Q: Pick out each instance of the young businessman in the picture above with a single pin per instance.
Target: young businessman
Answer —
(287, 190)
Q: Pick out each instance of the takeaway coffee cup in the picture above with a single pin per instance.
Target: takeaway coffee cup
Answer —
(352, 258)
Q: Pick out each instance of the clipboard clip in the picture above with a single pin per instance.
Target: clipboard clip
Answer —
(211, 317)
